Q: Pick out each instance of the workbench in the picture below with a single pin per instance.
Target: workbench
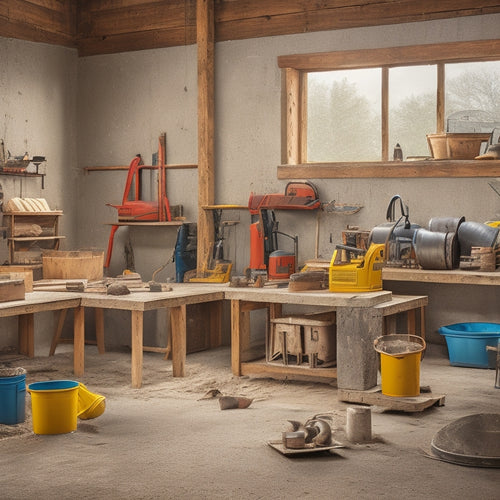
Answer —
(360, 319)
(34, 303)
(137, 303)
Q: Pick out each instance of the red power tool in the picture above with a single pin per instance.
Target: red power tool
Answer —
(265, 258)
(135, 209)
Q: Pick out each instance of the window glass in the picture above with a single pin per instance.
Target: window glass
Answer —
(472, 101)
(344, 115)
(412, 108)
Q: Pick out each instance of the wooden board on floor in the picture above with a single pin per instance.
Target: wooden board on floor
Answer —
(375, 397)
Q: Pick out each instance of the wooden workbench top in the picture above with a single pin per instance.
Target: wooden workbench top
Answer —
(40, 301)
(181, 294)
(313, 297)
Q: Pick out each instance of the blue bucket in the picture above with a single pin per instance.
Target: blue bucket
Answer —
(467, 343)
(12, 399)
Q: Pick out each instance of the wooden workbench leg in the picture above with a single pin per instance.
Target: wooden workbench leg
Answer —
(411, 324)
(178, 336)
(422, 322)
(357, 362)
(26, 334)
(99, 329)
(236, 330)
(137, 344)
(78, 340)
(57, 334)
(215, 323)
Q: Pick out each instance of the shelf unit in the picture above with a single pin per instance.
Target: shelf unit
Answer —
(25, 248)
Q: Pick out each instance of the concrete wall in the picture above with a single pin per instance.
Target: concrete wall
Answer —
(38, 89)
(126, 100)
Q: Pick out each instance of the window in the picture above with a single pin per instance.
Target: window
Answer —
(354, 106)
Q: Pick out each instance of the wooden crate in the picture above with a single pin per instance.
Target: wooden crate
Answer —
(11, 290)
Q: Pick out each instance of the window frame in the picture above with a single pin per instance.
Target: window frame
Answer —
(295, 68)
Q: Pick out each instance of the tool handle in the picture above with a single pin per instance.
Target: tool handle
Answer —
(350, 249)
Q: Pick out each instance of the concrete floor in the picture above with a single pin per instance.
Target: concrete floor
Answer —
(162, 441)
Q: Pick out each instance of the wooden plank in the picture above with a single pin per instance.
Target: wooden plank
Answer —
(264, 368)
(173, 166)
(393, 56)
(454, 277)
(206, 158)
(386, 170)
(406, 404)
(373, 13)
(142, 40)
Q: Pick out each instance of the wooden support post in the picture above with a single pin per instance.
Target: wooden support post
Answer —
(178, 336)
(205, 28)
(26, 335)
(99, 329)
(236, 329)
(215, 309)
(79, 341)
(137, 341)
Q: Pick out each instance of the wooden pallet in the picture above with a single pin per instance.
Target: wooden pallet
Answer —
(375, 397)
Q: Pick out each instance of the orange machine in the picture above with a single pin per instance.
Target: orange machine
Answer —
(265, 258)
(132, 208)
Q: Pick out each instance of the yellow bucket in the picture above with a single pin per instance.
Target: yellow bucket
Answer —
(90, 405)
(400, 357)
(54, 406)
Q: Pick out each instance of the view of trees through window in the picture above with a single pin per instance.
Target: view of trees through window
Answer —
(344, 108)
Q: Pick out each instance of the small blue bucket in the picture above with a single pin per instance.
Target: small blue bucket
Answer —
(13, 399)
(467, 343)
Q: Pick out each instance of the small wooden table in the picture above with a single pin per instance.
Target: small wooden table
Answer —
(137, 303)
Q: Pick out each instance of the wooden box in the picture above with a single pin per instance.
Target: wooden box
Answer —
(11, 289)
(312, 336)
(20, 272)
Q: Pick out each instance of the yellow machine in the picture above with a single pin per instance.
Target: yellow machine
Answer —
(221, 273)
(362, 273)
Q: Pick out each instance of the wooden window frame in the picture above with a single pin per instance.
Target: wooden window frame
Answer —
(295, 69)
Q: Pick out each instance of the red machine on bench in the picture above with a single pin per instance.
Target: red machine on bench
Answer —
(265, 257)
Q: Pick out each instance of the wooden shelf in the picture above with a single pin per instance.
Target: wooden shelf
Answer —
(146, 223)
(454, 277)
(24, 249)
(35, 238)
(391, 169)
(179, 166)
(25, 174)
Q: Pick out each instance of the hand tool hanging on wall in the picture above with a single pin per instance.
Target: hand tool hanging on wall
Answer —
(133, 208)
(265, 258)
